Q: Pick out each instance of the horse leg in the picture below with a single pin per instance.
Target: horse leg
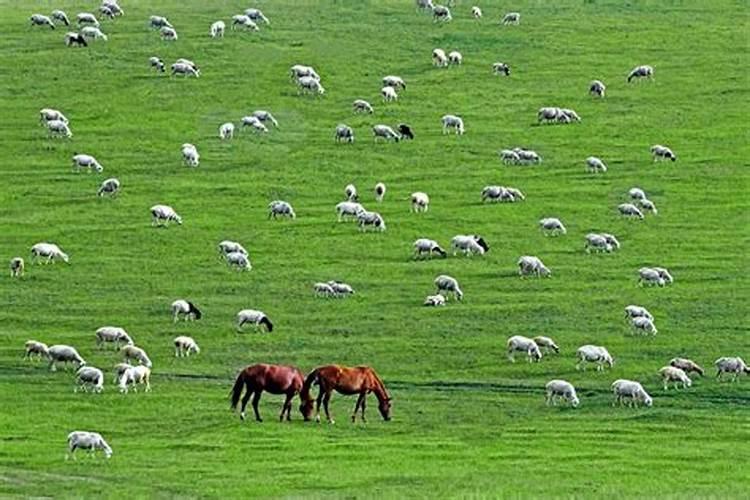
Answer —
(364, 400)
(317, 405)
(326, 399)
(360, 402)
(256, 400)
(286, 408)
(245, 399)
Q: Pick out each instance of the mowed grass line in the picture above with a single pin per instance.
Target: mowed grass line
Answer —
(466, 421)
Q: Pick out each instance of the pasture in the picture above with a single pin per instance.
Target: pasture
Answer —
(466, 421)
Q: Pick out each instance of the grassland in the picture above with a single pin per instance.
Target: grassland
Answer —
(466, 421)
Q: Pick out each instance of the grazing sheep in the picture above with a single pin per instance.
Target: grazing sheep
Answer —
(552, 226)
(367, 219)
(405, 131)
(530, 265)
(159, 22)
(298, 71)
(549, 114)
(161, 215)
(500, 68)
(568, 115)
(385, 132)
(72, 38)
(527, 156)
(733, 365)
(106, 11)
(593, 354)
(87, 441)
(612, 240)
(557, 389)
(226, 131)
(93, 32)
(156, 63)
(446, 284)
(362, 106)
(476, 12)
(639, 72)
(508, 156)
(217, 29)
(88, 376)
(420, 202)
(547, 344)
(441, 13)
(186, 70)
(676, 375)
(434, 301)
(87, 18)
(120, 368)
(632, 312)
(452, 122)
(637, 193)
(394, 81)
(256, 318)
(308, 84)
(280, 208)
(168, 33)
(34, 348)
(660, 152)
(113, 334)
(597, 88)
(49, 252)
(350, 192)
(455, 57)
(132, 352)
(425, 5)
(87, 161)
(493, 193)
(643, 324)
(469, 244)
(41, 20)
(186, 309)
(512, 18)
(61, 16)
(389, 94)
(323, 290)
(348, 209)
(597, 243)
(226, 247)
(519, 343)
(630, 210)
(343, 133)
(439, 58)
(265, 116)
(254, 123)
(650, 276)
(109, 186)
(687, 365)
(257, 15)
(185, 346)
(594, 164)
(239, 260)
(114, 6)
(426, 246)
(58, 128)
(135, 375)
(17, 267)
(49, 114)
(648, 206)
(631, 393)
(64, 354)
(379, 192)
(340, 289)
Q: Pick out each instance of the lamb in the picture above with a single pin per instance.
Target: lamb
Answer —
(441, 13)
(439, 58)
(594, 164)
(362, 106)
(593, 354)
(280, 208)
(168, 33)
(660, 152)
(434, 301)
(500, 68)
(41, 20)
(186, 309)
(226, 131)
(597, 88)
(452, 122)
(87, 441)
(348, 209)
(311, 85)
(637, 193)
(217, 29)
(632, 312)
(256, 318)
(385, 132)
(552, 226)
(239, 260)
(323, 289)
(455, 57)
(244, 21)
(340, 289)
(110, 186)
(426, 246)
(343, 133)
(379, 192)
(34, 348)
(446, 284)
(547, 344)
(226, 247)
(113, 334)
(72, 38)
(394, 81)
(469, 244)
(254, 123)
(64, 354)
(631, 392)
(676, 375)
(527, 156)
(49, 114)
(48, 251)
(371, 219)
(643, 324)
(650, 276)
(156, 63)
(298, 71)
(476, 12)
(59, 128)
(687, 365)
(185, 70)
(159, 22)
(61, 16)
(648, 206)
(132, 352)
(389, 94)
(257, 15)
(135, 375)
(87, 18)
(88, 376)
(597, 242)
(561, 389)
(93, 32)
(530, 265)
(87, 161)
(512, 18)
(420, 202)
(519, 343)
(639, 72)
(733, 365)
(350, 191)
(17, 267)
(161, 215)
(630, 210)
(185, 346)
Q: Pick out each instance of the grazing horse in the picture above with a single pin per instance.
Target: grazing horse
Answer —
(276, 379)
(345, 380)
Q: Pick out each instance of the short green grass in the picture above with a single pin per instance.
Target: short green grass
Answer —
(466, 421)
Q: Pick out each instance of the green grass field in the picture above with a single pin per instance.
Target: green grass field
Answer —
(467, 422)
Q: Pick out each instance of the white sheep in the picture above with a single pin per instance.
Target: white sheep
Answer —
(660, 152)
(508, 156)
(549, 114)
(385, 132)
(441, 13)
(597, 243)
(452, 122)
(106, 11)
(309, 84)
(73, 38)
(471, 244)
(511, 18)
(257, 15)
(113, 334)
(132, 352)
(675, 375)
(434, 301)
(557, 389)
(630, 210)
(427, 246)
(644, 71)
(87, 162)
(323, 290)
(633, 311)
(637, 193)
(687, 365)
(49, 114)
(362, 106)
(733, 365)
(476, 12)
(265, 117)
(493, 193)
(135, 375)
(226, 247)
(85, 440)
(389, 94)
(552, 226)
(439, 58)
(87, 18)
(348, 209)
(244, 21)
(643, 324)
(648, 206)
(226, 131)
(519, 343)
(253, 317)
(597, 88)
(159, 22)
(162, 215)
(64, 354)
(88, 376)
(93, 32)
(664, 274)
(343, 133)
(34, 348)
(340, 289)
(58, 128)
(61, 16)
(531, 265)
(186, 309)
(593, 354)
(239, 260)
(185, 70)
(280, 208)
(367, 219)
(630, 392)
(41, 20)
(546, 344)
(217, 29)
(650, 276)
(394, 81)
(299, 70)
(501, 68)
(594, 164)
(420, 202)
(527, 156)
(49, 252)
(185, 346)
(446, 284)
(17, 267)
(254, 123)
(109, 186)
(379, 192)
(568, 116)
(168, 33)
(455, 57)
(612, 240)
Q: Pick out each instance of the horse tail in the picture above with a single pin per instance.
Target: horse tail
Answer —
(312, 378)
(237, 390)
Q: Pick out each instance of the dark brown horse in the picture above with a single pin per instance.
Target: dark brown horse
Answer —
(276, 379)
(360, 380)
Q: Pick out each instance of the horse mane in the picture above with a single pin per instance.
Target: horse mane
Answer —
(379, 382)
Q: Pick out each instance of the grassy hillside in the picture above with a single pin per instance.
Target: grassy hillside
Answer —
(466, 421)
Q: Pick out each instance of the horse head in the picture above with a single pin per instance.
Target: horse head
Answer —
(384, 405)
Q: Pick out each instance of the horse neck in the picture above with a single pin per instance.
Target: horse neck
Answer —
(378, 388)
(308, 382)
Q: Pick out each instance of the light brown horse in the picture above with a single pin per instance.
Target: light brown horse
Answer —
(276, 379)
(345, 380)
